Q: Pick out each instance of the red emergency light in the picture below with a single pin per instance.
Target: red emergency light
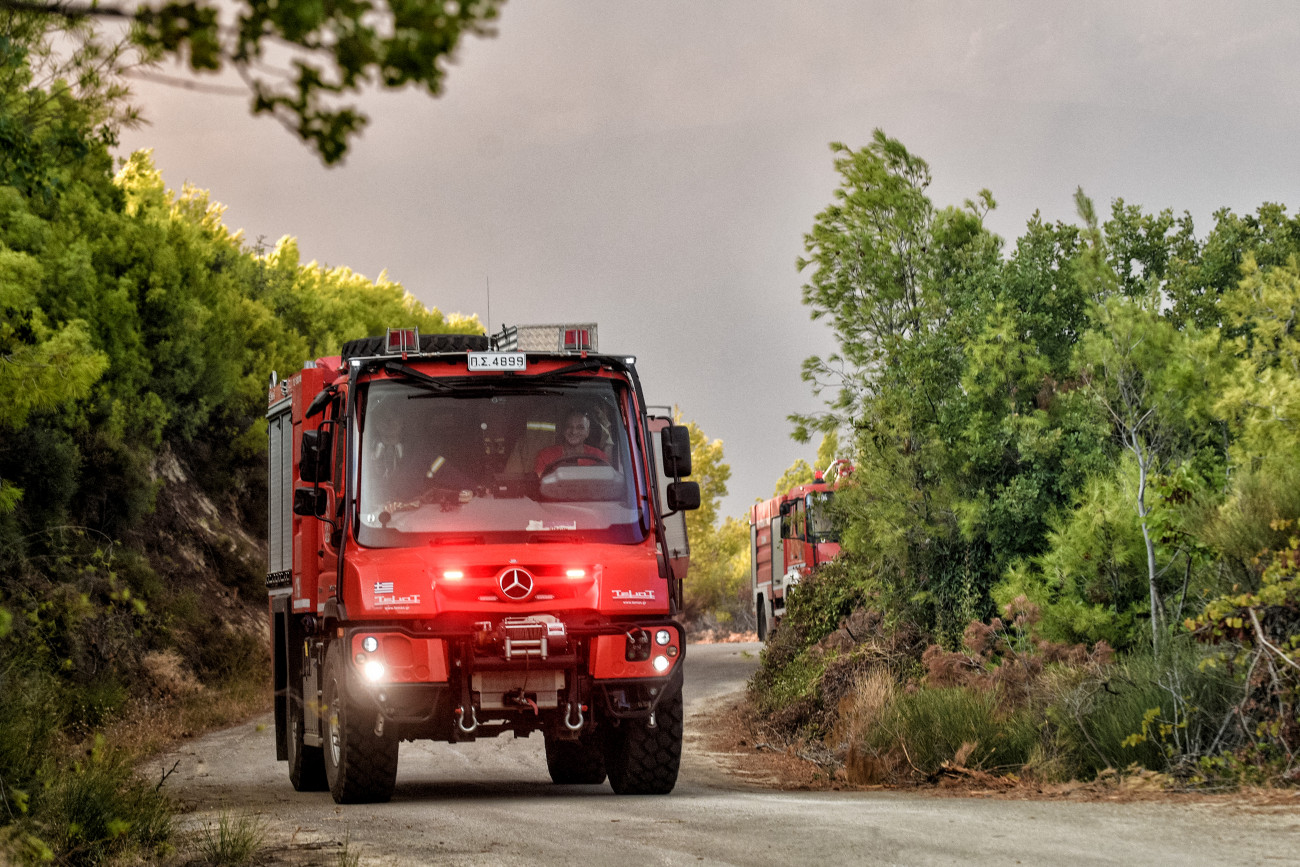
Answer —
(402, 340)
(577, 339)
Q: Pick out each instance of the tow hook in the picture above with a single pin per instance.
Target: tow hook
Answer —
(460, 720)
(653, 724)
(568, 711)
(379, 726)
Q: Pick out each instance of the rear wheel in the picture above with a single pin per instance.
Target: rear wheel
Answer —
(306, 764)
(360, 765)
(641, 759)
(579, 762)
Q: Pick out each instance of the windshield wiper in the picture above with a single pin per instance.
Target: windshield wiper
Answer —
(421, 379)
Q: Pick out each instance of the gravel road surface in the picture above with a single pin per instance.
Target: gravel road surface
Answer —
(491, 802)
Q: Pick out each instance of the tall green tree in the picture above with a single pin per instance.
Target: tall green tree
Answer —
(719, 570)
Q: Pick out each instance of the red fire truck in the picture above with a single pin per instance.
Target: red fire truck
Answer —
(472, 536)
(789, 536)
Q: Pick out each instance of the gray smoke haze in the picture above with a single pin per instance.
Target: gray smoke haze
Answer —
(653, 167)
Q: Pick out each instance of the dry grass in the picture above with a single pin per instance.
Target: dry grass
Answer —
(860, 710)
(153, 726)
(169, 675)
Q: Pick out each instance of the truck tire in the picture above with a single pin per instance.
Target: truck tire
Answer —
(762, 619)
(306, 764)
(575, 763)
(642, 760)
(361, 766)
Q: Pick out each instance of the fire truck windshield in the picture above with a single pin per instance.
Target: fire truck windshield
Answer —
(821, 525)
(504, 464)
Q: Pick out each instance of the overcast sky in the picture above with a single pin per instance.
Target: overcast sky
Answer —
(653, 167)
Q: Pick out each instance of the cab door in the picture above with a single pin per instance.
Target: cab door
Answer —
(794, 527)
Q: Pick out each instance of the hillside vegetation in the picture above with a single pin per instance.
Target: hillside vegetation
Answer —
(137, 334)
(1071, 538)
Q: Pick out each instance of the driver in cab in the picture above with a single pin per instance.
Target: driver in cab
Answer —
(405, 480)
(573, 447)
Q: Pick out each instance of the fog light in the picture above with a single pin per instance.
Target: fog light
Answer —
(661, 664)
(374, 670)
(370, 644)
(662, 637)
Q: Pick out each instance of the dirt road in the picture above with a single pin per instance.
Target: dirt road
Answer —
(491, 802)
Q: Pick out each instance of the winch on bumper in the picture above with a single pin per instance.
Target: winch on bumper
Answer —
(519, 674)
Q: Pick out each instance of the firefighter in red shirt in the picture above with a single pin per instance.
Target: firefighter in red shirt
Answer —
(573, 445)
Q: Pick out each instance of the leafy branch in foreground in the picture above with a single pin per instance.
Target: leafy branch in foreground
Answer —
(299, 58)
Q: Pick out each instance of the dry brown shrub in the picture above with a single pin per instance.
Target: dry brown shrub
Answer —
(1001, 655)
(949, 668)
(169, 675)
(859, 710)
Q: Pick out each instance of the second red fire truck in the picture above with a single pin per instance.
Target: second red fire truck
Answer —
(790, 535)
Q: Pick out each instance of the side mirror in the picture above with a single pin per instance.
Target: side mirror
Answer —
(683, 496)
(676, 451)
(310, 502)
(319, 402)
(314, 460)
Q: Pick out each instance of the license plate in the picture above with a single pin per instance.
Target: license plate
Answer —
(498, 361)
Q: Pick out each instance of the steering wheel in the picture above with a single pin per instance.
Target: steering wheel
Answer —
(576, 460)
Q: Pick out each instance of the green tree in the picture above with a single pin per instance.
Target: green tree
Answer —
(903, 285)
(798, 473)
(299, 60)
(1149, 376)
(719, 570)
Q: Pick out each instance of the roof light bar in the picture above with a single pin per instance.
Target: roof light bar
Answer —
(400, 341)
(577, 339)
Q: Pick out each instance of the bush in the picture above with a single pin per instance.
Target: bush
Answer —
(953, 724)
(98, 809)
(1163, 714)
(788, 674)
(233, 841)
(816, 606)
(31, 712)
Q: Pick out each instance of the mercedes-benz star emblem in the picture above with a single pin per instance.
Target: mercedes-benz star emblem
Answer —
(516, 584)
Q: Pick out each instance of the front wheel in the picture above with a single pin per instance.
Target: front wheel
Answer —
(360, 764)
(761, 616)
(642, 759)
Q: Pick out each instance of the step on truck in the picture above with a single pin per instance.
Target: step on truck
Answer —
(472, 536)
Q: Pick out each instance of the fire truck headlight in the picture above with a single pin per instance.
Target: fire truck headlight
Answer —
(662, 637)
(661, 664)
(370, 644)
(374, 670)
